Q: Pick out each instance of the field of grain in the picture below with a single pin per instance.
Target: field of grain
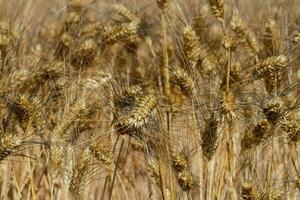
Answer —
(150, 99)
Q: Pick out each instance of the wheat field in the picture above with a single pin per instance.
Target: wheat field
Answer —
(150, 99)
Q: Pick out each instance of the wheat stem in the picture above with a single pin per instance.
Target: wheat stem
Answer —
(115, 171)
